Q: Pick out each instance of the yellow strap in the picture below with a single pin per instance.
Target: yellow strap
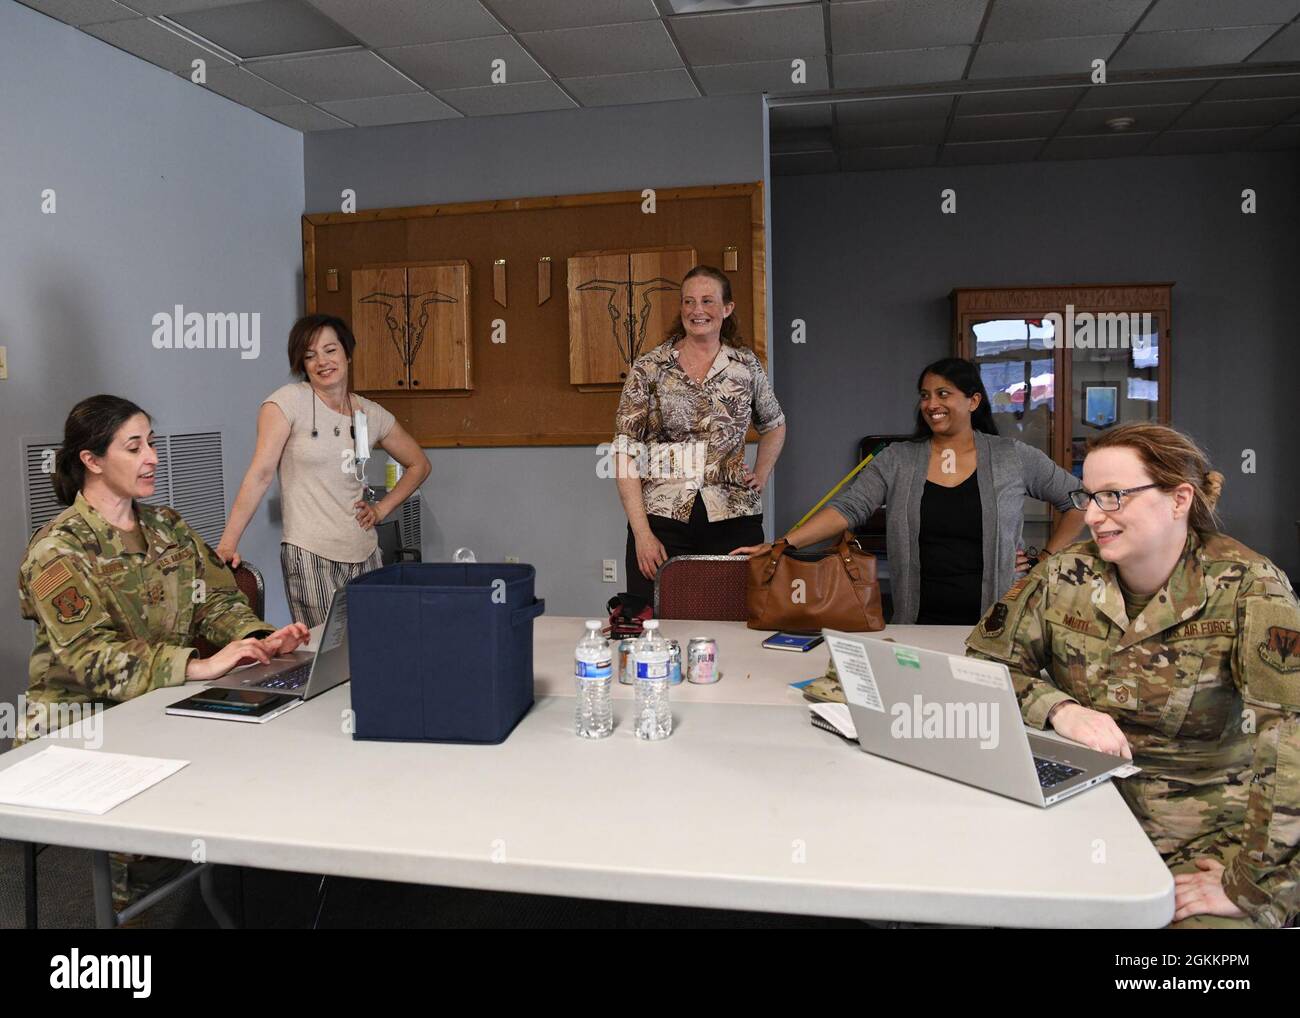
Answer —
(845, 480)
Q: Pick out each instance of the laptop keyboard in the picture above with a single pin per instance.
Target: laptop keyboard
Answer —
(291, 679)
(1051, 774)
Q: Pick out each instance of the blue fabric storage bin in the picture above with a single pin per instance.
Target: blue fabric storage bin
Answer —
(442, 652)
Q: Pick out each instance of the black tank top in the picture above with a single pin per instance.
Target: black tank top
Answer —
(952, 554)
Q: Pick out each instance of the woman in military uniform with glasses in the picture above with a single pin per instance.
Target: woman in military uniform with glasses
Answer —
(1169, 642)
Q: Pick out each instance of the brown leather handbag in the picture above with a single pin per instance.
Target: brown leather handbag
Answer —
(839, 589)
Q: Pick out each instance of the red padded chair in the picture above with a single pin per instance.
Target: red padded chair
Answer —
(708, 587)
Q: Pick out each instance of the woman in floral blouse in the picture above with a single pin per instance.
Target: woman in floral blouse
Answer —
(680, 431)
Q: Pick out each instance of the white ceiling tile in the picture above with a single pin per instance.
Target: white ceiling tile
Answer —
(153, 8)
(1018, 20)
(525, 97)
(304, 117)
(799, 117)
(1098, 146)
(772, 76)
(408, 22)
(1262, 87)
(604, 49)
(1173, 14)
(154, 44)
(265, 28)
(888, 157)
(815, 140)
(531, 16)
(1042, 57)
(1284, 136)
(1148, 118)
(464, 64)
(1240, 113)
(1145, 93)
(1285, 46)
(752, 35)
(247, 89)
(868, 26)
(1005, 126)
(803, 162)
(82, 12)
(628, 89)
(1199, 47)
(876, 111)
(972, 152)
(1028, 100)
(354, 75)
(900, 67)
(414, 107)
(1192, 142)
(899, 132)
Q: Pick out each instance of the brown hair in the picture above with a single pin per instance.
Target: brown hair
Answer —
(1171, 458)
(91, 426)
(730, 330)
(304, 331)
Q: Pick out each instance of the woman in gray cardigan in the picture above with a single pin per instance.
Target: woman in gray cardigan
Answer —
(956, 494)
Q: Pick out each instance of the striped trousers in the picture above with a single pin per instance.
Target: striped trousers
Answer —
(310, 581)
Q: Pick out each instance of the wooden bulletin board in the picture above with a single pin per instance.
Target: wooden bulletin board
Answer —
(522, 393)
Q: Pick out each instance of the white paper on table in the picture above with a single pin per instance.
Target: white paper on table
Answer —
(854, 670)
(81, 780)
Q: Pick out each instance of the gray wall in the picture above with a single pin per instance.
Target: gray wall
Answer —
(547, 506)
(868, 261)
(166, 194)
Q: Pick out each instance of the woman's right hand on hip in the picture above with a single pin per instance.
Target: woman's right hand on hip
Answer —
(650, 554)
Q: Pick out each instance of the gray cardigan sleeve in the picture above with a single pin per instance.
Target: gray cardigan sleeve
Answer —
(1045, 480)
(867, 492)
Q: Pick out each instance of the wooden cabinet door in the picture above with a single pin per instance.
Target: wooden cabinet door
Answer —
(657, 276)
(597, 316)
(438, 326)
(620, 306)
(379, 325)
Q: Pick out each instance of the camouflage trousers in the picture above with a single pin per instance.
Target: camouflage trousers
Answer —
(134, 876)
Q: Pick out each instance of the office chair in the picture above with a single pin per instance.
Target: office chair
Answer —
(702, 587)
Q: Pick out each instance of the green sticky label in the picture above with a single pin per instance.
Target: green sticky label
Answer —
(907, 659)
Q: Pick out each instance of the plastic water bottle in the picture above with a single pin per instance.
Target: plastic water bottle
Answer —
(654, 716)
(593, 669)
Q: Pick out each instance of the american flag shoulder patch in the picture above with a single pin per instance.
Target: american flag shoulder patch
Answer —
(50, 579)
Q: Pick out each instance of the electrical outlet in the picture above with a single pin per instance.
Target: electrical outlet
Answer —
(609, 570)
(4, 363)
(512, 558)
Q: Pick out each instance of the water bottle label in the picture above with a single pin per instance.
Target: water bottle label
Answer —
(593, 669)
(646, 670)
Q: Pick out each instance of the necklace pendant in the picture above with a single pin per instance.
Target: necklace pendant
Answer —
(336, 431)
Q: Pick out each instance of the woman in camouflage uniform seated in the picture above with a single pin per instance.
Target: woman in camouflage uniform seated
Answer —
(1168, 642)
(119, 590)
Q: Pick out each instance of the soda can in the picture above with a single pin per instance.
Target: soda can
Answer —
(626, 666)
(674, 663)
(702, 660)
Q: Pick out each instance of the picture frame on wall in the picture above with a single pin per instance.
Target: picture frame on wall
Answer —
(1100, 405)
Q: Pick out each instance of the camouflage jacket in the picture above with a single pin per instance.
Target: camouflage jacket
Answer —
(1204, 683)
(112, 624)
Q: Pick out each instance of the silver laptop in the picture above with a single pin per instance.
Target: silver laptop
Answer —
(958, 717)
(303, 673)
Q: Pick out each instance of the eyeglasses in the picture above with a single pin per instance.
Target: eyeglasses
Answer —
(1108, 501)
